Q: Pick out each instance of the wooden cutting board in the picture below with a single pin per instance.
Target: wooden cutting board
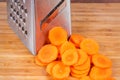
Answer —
(93, 20)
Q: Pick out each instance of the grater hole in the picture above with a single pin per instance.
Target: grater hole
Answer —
(25, 11)
(22, 28)
(14, 18)
(17, 12)
(11, 6)
(22, 7)
(24, 20)
(26, 32)
(19, 25)
(14, 10)
(10, 14)
(16, 21)
(20, 16)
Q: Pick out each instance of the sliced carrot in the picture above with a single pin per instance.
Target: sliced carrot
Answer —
(70, 57)
(80, 72)
(82, 57)
(90, 57)
(65, 46)
(84, 66)
(90, 46)
(76, 39)
(39, 63)
(100, 73)
(48, 53)
(101, 61)
(50, 66)
(77, 75)
(85, 78)
(60, 71)
(57, 36)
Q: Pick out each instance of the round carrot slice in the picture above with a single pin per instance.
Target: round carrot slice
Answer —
(80, 72)
(85, 78)
(57, 36)
(39, 63)
(76, 39)
(101, 61)
(65, 46)
(84, 66)
(48, 53)
(50, 66)
(82, 57)
(60, 71)
(89, 46)
(70, 57)
(77, 75)
(100, 73)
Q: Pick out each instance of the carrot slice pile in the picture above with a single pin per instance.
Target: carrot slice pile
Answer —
(76, 39)
(48, 53)
(90, 46)
(70, 57)
(101, 61)
(82, 57)
(57, 36)
(76, 56)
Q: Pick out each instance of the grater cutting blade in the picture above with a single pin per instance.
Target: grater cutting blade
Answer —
(27, 17)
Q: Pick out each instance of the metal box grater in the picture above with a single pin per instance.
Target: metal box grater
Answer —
(32, 19)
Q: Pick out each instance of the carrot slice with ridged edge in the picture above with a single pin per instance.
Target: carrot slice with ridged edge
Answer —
(39, 63)
(100, 73)
(48, 53)
(60, 71)
(65, 46)
(57, 35)
(84, 66)
(50, 66)
(70, 57)
(90, 46)
(101, 61)
(78, 76)
(85, 78)
(82, 57)
(76, 39)
(80, 72)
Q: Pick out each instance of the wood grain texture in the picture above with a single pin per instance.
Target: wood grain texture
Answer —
(98, 21)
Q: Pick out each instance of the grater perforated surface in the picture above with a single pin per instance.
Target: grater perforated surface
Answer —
(21, 19)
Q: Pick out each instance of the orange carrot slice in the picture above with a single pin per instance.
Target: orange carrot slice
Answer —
(77, 75)
(89, 46)
(82, 57)
(100, 73)
(85, 78)
(73, 70)
(76, 39)
(57, 36)
(110, 78)
(70, 57)
(48, 53)
(60, 71)
(101, 61)
(50, 66)
(65, 46)
(84, 66)
(39, 63)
